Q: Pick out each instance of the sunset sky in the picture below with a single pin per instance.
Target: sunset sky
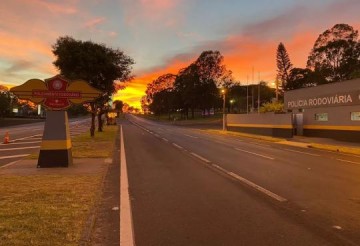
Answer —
(166, 35)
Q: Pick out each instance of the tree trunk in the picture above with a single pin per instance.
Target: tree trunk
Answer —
(192, 113)
(92, 127)
(100, 122)
(93, 115)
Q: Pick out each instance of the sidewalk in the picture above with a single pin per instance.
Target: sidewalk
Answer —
(323, 143)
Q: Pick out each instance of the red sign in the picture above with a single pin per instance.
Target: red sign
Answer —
(55, 97)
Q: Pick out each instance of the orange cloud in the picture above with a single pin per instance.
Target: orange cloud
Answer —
(136, 88)
(241, 55)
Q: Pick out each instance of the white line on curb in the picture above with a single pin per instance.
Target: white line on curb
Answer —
(177, 146)
(12, 156)
(352, 162)
(200, 157)
(126, 223)
(257, 187)
(249, 152)
(32, 147)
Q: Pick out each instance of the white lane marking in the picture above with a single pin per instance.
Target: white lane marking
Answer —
(126, 222)
(177, 146)
(352, 162)
(190, 136)
(9, 164)
(156, 135)
(249, 152)
(36, 135)
(165, 139)
(12, 156)
(200, 157)
(302, 152)
(257, 187)
(11, 143)
(260, 144)
(32, 147)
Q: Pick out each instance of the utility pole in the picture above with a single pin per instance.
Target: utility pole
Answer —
(247, 94)
(252, 91)
(223, 91)
(259, 94)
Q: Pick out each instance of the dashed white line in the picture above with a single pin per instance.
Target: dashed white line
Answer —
(12, 156)
(257, 187)
(32, 147)
(177, 146)
(260, 144)
(253, 153)
(352, 162)
(190, 136)
(302, 152)
(165, 139)
(200, 157)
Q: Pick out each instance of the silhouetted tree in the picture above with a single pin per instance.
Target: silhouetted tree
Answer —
(336, 53)
(303, 77)
(284, 65)
(95, 63)
(5, 101)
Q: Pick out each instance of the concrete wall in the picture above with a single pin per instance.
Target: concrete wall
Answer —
(338, 100)
(269, 124)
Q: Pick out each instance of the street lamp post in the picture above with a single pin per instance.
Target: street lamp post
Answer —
(231, 105)
(224, 114)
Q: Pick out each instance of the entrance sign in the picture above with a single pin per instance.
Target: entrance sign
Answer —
(56, 94)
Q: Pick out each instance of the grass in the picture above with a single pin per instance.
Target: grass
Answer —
(46, 209)
(84, 146)
(100, 146)
(50, 209)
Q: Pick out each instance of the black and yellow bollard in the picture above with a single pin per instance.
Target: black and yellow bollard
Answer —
(55, 150)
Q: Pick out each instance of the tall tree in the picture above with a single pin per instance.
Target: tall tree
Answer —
(284, 65)
(301, 78)
(336, 53)
(102, 67)
(165, 81)
(5, 101)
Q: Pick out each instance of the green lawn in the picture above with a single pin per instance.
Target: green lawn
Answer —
(52, 209)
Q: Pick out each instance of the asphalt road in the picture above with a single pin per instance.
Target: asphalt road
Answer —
(188, 187)
(26, 139)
